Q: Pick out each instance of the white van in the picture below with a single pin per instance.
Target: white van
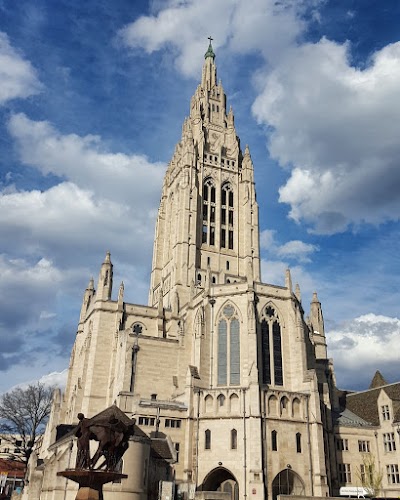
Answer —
(353, 492)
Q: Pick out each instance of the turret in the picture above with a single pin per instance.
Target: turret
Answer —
(104, 286)
(317, 327)
(87, 298)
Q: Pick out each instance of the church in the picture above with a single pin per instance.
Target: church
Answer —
(228, 378)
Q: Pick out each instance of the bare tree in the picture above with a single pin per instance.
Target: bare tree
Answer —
(369, 475)
(23, 415)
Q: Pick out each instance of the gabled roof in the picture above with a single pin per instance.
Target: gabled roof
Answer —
(364, 404)
(111, 412)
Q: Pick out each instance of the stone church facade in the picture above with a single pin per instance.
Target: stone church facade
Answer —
(227, 368)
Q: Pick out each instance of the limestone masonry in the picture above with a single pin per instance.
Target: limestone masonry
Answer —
(228, 380)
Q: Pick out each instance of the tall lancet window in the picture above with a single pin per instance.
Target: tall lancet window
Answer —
(227, 216)
(228, 372)
(209, 212)
(272, 363)
(170, 218)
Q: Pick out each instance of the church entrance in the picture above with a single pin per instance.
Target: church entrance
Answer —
(221, 479)
(287, 482)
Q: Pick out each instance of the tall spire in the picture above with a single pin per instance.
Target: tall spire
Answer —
(210, 50)
(209, 77)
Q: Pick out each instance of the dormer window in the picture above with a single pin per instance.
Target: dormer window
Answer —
(385, 412)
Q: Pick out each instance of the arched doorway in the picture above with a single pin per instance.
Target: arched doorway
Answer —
(221, 479)
(287, 482)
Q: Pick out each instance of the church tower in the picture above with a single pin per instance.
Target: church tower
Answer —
(207, 225)
(224, 365)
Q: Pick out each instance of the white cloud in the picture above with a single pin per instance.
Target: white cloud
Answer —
(86, 162)
(297, 249)
(336, 127)
(244, 26)
(294, 249)
(53, 379)
(58, 379)
(17, 76)
(363, 345)
(30, 286)
(108, 200)
(267, 239)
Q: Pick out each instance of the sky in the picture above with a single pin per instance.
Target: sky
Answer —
(92, 99)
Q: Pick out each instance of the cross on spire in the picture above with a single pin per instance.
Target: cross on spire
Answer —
(210, 51)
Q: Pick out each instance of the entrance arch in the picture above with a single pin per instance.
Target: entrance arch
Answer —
(287, 482)
(221, 479)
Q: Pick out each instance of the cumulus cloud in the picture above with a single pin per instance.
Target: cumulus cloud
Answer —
(263, 26)
(294, 250)
(100, 196)
(297, 249)
(99, 201)
(363, 345)
(28, 284)
(87, 163)
(17, 75)
(336, 128)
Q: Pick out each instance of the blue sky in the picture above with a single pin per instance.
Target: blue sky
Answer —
(92, 100)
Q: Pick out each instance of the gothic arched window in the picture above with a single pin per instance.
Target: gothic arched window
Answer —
(208, 212)
(233, 439)
(228, 347)
(226, 216)
(298, 442)
(271, 336)
(207, 439)
(274, 441)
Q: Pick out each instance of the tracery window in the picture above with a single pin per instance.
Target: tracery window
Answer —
(209, 212)
(272, 364)
(137, 328)
(227, 216)
(228, 371)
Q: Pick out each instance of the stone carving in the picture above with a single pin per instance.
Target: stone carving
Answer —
(112, 435)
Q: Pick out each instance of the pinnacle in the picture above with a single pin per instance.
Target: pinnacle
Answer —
(210, 50)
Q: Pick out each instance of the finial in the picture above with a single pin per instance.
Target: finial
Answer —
(108, 257)
(315, 297)
(210, 51)
(91, 284)
(288, 278)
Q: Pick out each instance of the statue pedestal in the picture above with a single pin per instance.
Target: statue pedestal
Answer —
(90, 481)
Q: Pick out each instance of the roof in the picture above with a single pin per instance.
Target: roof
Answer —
(349, 419)
(378, 380)
(12, 468)
(364, 404)
(111, 412)
(160, 449)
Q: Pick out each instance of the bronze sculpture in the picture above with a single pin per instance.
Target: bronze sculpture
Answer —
(111, 433)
